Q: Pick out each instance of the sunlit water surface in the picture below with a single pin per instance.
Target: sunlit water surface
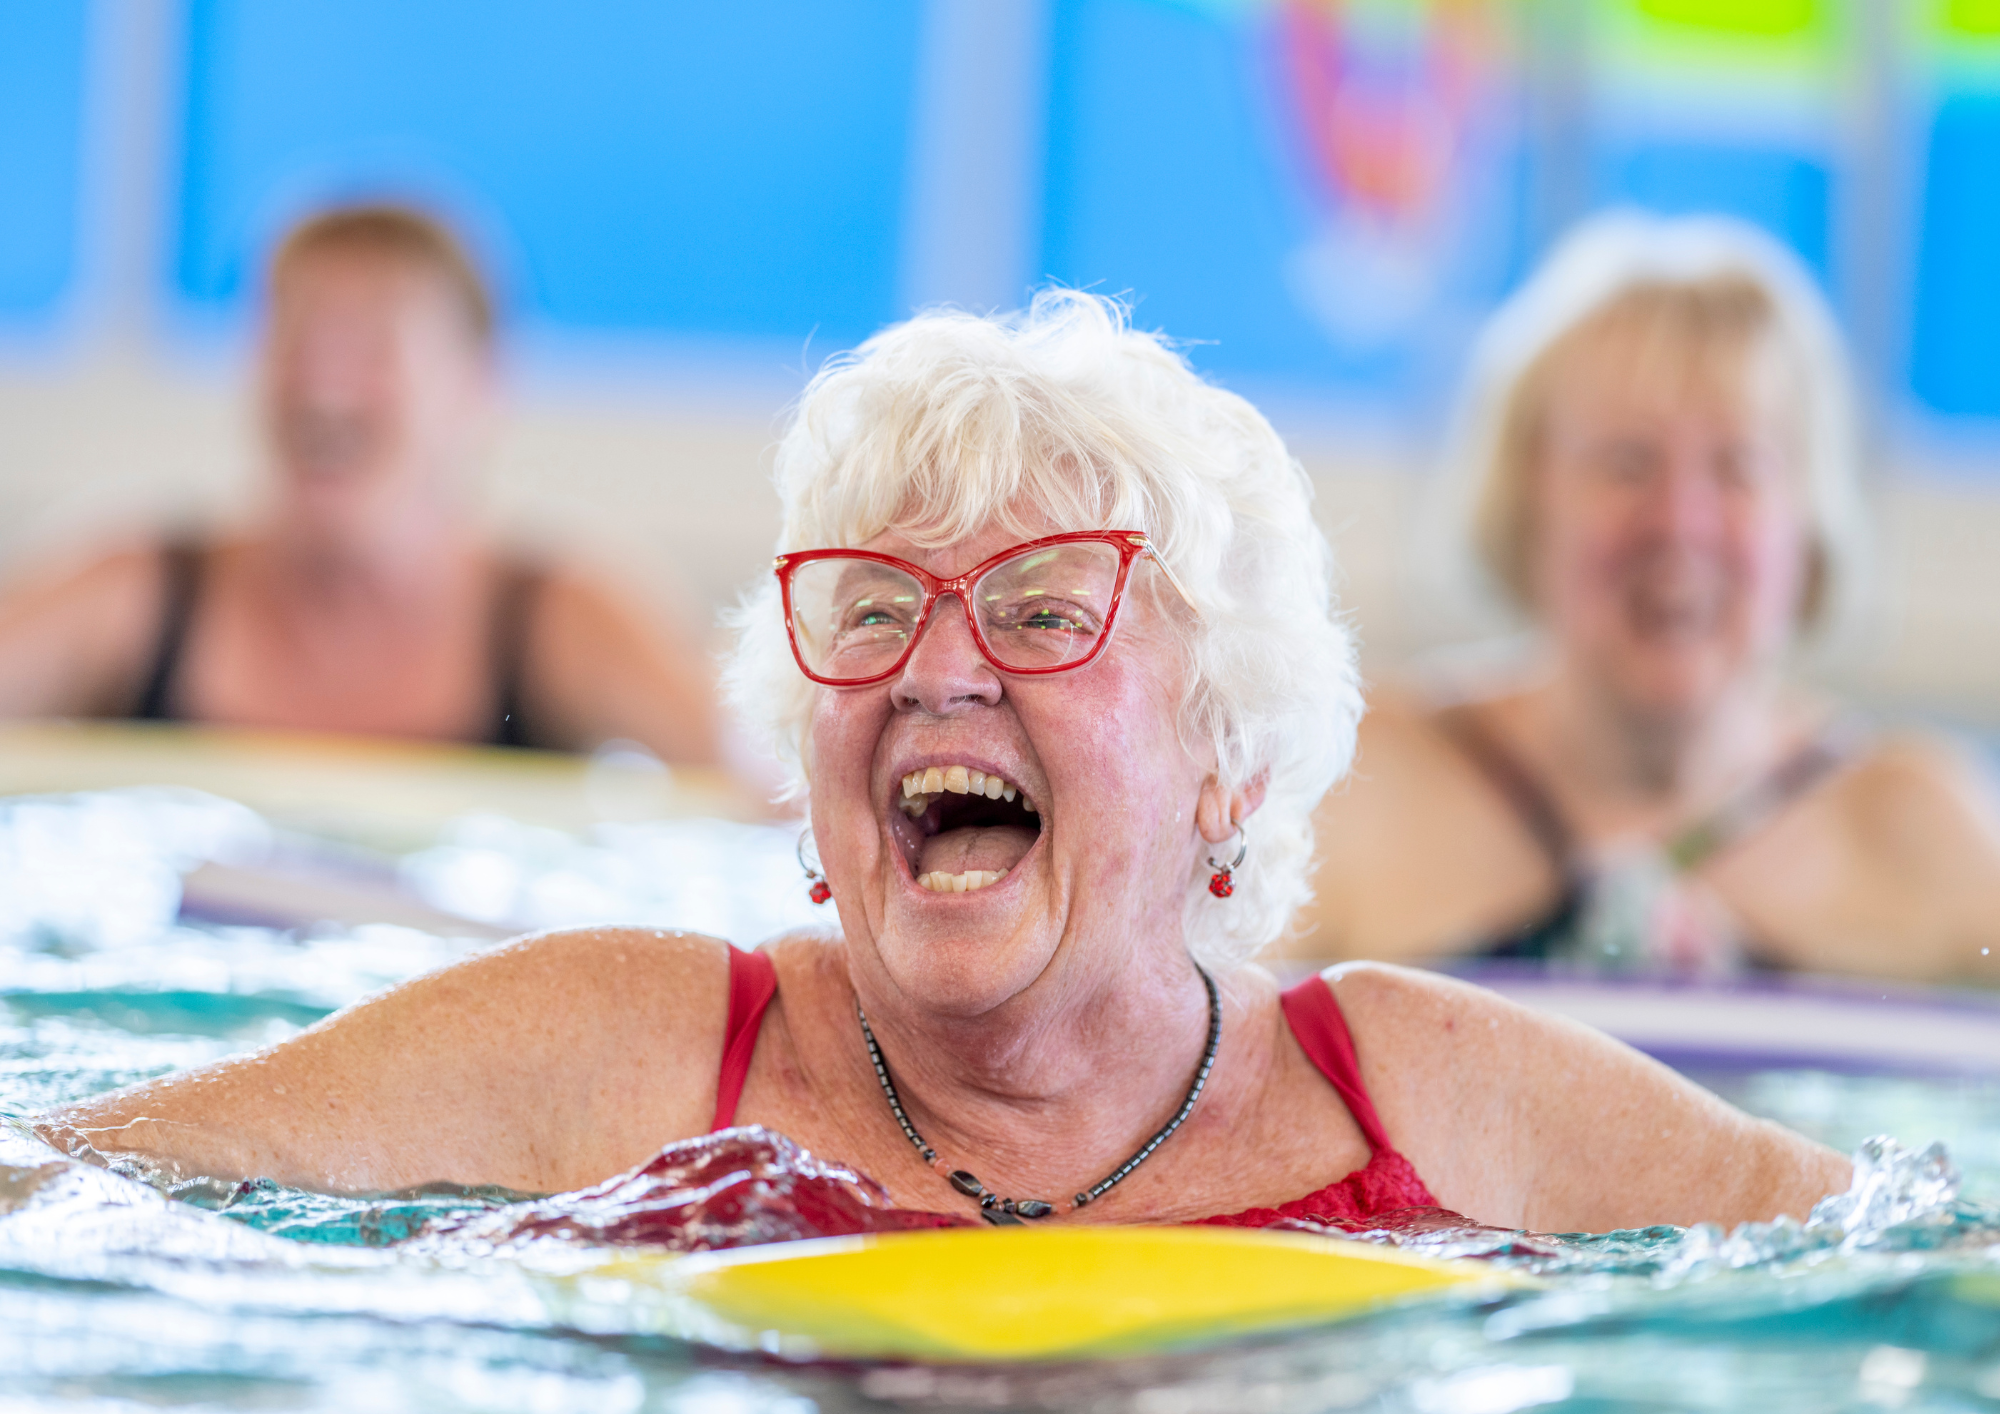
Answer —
(117, 1296)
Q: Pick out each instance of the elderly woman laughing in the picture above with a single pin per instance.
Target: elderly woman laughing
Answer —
(1051, 643)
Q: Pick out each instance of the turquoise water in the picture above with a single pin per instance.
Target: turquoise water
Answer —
(115, 1295)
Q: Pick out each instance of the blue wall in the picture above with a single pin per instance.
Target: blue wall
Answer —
(723, 169)
(1955, 343)
(1785, 192)
(42, 66)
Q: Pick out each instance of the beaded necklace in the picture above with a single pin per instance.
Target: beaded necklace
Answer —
(992, 1206)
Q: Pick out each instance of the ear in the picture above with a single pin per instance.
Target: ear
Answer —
(1218, 812)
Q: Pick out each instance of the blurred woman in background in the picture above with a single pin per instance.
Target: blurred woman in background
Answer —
(1660, 453)
(368, 601)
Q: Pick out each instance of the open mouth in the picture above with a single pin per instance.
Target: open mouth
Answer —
(962, 828)
(1680, 613)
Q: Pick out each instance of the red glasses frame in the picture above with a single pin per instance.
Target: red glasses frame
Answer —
(1130, 544)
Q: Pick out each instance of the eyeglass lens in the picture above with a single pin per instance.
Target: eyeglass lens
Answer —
(1044, 608)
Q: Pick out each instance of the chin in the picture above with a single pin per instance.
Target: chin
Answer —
(958, 968)
(967, 922)
(336, 505)
(1683, 688)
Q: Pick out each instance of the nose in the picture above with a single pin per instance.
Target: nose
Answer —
(1689, 498)
(946, 673)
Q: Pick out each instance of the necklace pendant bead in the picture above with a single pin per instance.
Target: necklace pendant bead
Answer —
(1006, 1211)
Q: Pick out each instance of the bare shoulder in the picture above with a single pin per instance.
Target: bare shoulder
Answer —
(1399, 721)
(636, 954)
(126, 565)
(573, 598)
(615, 979)
(1402, 1017)
(74, 632)
(1910, 786)
(1418, 856)
(1915, 824)
(1426, 1043)
(1435, 1038)
(611, 664)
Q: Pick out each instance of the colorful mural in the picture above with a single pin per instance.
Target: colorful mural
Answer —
(1313, 192)
(1393, 111)
(1316, 195)
(1720, 105)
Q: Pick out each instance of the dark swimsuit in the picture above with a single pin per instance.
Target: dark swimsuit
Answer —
(1547, 935)
(1385, 1184)
(183, 564)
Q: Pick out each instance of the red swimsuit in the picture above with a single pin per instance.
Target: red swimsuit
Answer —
(1385, 1184)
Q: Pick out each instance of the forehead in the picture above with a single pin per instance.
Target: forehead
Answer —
(960, 554)
(1657, 369)
(356, 282)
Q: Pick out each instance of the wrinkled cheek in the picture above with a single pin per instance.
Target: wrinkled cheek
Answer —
(836, 754)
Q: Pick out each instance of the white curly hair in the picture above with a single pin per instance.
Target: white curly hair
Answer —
(949, 423)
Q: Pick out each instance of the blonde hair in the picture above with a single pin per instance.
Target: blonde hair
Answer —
(402, 234)
(1684, 285)
(951, 423)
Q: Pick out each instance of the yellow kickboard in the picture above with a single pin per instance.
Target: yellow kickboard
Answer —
(1037, 1294)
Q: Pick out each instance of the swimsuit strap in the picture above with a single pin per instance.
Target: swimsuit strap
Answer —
(513, 602)
(1313, 1013)
(753, 981)
(1515, 783)
(1688, 849)
(1832, 747)
(181, 564)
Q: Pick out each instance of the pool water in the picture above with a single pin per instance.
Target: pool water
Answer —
(117, 1295)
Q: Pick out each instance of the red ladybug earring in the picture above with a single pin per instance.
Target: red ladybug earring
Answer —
(820, 891)
(1220, 883)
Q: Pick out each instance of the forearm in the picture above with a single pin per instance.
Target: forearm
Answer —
(199, 1124)
(1793, 1174)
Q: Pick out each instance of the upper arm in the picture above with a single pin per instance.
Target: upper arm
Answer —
(543, 1065)
(1525, 1119)
(607, 668)
(73, 638)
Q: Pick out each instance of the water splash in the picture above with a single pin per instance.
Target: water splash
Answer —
(103, 869)
(1633, 1319)
(1900, 1200)
(182, 1291)
(735, 1188)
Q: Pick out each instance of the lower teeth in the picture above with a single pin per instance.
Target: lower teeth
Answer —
(939, 882)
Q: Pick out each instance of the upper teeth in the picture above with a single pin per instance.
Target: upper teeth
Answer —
(957, 780)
